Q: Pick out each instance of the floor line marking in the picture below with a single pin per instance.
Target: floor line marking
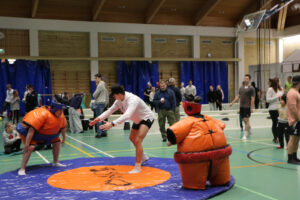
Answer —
(258, 165)
(253, 191)
(253, 141)
(79, 149)
(91, 146)
(40, 155)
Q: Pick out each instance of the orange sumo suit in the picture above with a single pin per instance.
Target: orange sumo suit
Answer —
(202, 150)
(46, 125)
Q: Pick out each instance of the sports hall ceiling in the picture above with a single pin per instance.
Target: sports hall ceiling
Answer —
(221, 13)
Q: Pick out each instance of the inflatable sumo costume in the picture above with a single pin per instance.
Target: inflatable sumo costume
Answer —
(46, 125)
(202, 150)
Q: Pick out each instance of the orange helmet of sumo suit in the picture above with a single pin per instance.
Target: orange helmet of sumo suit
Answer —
(202, 150)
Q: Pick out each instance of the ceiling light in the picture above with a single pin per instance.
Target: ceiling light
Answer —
(11, 61)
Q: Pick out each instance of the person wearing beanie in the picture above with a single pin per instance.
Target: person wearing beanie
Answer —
(293, 107)
(42, 125)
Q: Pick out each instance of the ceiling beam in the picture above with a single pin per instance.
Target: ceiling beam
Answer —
(253, 7)
(153, 10)
(282, 18)
(97, 8)
(205, 10)
(35, 4)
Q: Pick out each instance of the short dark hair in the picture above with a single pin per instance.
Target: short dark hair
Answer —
(249, 76)
(30, 86)
(98, 75)
(296, 80)
(117, 89)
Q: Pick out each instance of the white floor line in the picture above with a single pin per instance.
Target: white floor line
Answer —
(273, 145)
(39, 154)
(90, 146)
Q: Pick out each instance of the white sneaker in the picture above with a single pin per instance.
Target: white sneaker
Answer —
(58, 165)
(21, 172)
(144, 159)
(244, 137)
(137, 169)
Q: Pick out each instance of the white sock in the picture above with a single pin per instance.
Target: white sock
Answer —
(21, 172)
(136, 169)
(59, 165)
(144, 158)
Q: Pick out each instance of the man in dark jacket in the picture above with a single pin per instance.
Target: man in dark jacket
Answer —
(211, 98)
(177, 96)
(31, 99)
(165, 103)
(74, 115)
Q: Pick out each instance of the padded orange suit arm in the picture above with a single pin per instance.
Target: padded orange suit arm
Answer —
(178, 131)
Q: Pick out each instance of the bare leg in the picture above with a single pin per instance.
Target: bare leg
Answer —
(25, 159)
(247, 124)
(55, 152)
(137, 137)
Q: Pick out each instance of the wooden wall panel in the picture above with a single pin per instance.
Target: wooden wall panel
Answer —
(109, 72)
(168, 70)
(72, 77)
(218, 47)
(15, 42)
(171, 47)
(117, 45)
(268, 52)
(54, 43)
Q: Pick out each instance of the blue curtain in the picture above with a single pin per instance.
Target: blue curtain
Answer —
(22, 72)
(135, 77)
(204, 74)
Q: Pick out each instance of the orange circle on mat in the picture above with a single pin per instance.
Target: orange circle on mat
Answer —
(103, 178)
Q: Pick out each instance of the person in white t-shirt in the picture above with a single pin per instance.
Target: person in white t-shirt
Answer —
(135, 109)
(9, 97)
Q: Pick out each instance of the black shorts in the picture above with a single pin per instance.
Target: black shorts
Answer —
(147, 122)
(245, 112)
(294, 130)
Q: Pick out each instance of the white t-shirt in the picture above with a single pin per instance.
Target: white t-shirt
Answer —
(273, 98)
(133, 108)
(9, 95)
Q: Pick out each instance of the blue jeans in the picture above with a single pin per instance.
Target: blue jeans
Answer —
(99, 108)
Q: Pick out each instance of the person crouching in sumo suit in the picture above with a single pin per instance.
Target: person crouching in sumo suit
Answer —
(202, 150)
(42, 125)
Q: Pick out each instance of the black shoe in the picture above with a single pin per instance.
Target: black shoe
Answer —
(81, 132)
(98, 136)
(164, 140)
(295, 162)
(104, 135)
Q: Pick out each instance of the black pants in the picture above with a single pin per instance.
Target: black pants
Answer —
(15, 118)
(4, 106)
(152, 105)
(12, 147)
(274, 116)
(219, 105)
(282, 129)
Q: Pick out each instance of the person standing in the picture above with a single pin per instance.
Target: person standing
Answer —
(177, 96)
(190, 89)
(151, 97)
(74, 115)
(182, 90)
(273, 96)
(211, 98)
(219, 97)
(25, 94)
(101, 101)
(165, 102)
(135, 109)
(288, 84)
(282, 126)
(147, 93)
(15, 107)
(246, 96)
(9, 97)
(257, 95)
(293, 107)
(31, 99)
